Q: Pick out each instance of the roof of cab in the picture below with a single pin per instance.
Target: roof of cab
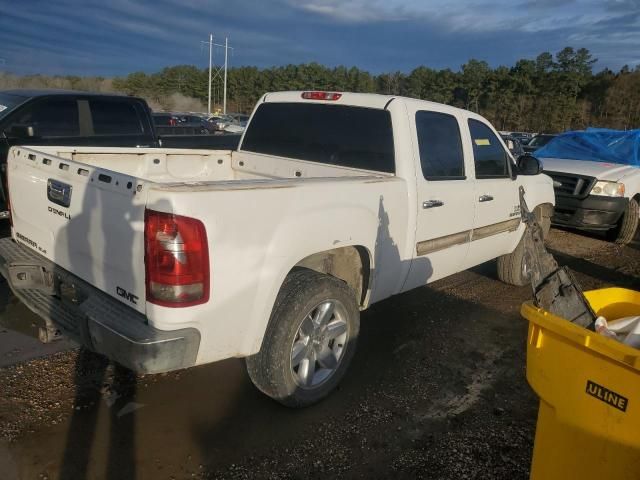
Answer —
(370, 100)
(42, 92)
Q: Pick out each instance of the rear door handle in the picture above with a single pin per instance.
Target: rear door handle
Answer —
(432, 204)
(485, 198)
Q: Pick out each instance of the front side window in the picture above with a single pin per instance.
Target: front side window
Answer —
(440, 146)
(346, 136)
(490, 158)
(51, 118)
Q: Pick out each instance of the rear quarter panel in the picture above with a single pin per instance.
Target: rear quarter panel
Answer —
(258, 231)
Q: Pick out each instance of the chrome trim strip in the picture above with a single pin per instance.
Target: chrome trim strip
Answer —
(436, 244)
(440, 243)
(495, 229)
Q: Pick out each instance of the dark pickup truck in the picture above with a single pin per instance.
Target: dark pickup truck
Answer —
(67, 117)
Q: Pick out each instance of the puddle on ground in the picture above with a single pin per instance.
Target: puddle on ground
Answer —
(19, 332)
(164, 426)
(15, 316)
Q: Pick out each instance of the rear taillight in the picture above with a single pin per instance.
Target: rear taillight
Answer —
(321, 95)
(176, 260)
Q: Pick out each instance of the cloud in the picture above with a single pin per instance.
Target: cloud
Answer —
(120, 36)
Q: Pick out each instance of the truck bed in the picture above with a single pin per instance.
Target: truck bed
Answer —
(189, 165)
(109, 190)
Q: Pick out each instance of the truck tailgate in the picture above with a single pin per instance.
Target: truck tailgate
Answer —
(87, 220)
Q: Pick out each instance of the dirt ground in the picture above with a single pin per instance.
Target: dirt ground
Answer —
(437, 390)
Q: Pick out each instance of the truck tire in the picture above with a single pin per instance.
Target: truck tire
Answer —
(511, 268)
(310, 339)
(625, 232)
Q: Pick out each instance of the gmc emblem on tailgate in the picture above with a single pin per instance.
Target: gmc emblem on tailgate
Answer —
(127, 295)
(59, 192)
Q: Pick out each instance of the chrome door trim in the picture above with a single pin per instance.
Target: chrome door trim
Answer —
(436, 244)
(495, 229)
(440, 243)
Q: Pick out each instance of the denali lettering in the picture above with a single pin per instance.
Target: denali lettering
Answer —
(607, 396)
(55, 211)
(127, 295)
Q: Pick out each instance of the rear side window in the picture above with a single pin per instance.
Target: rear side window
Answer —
(51, 117)
(440, 146)
(112, 117)
(347, 136)
(491, 159)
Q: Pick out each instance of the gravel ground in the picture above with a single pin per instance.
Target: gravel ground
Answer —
(437, 390)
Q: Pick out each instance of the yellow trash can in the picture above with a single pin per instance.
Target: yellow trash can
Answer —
(589, 388)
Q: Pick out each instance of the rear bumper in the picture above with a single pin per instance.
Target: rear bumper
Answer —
(96, 320)
(590, 213)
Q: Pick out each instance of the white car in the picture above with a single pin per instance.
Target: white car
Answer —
(234, 129)
(165, 259)
(596, 196)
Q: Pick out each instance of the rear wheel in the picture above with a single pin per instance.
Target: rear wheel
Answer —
(310, 339)
(625, 231)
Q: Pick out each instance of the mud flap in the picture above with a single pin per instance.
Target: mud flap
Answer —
(554, 288)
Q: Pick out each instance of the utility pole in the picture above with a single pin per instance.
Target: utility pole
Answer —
(210, 61)
(217, 72)
(211, 44)
(226, 50)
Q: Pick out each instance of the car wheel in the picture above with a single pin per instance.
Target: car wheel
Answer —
(310, 340)
(625, 232)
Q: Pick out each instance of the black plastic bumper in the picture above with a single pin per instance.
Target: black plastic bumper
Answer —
(590, 213)
(93, 318)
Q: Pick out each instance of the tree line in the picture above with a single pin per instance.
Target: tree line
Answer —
(551, 93)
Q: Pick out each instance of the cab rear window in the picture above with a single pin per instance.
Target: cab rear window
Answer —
(346, 136)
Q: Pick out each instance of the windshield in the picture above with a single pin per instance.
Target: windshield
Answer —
(540, 140)
(8, 103)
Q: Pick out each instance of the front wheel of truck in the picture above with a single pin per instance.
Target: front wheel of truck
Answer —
(511, 268)
(625, 231)
(310, 340)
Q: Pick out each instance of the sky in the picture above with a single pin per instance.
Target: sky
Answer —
(115, 37)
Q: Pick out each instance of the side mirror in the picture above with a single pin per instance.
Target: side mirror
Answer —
(529, 165)
(20, 131)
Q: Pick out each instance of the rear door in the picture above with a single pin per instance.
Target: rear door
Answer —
(445, 196)
(496, 198)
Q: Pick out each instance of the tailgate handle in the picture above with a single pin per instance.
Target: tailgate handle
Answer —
(59, 192)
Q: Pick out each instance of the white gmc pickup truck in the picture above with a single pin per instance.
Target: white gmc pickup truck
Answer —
(164, 259)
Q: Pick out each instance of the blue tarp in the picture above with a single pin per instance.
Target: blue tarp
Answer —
(596, 145)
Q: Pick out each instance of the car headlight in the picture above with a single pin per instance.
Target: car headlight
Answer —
(608, 189)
